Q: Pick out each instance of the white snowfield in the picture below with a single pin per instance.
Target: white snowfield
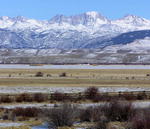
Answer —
(80, 66)
(42, 89)
(8, 124)
(28, 105)
(136, 104)
(138, 46)
(46, 89)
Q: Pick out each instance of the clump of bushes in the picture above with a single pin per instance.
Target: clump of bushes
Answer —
(66, 114)
(58, 96)
(91, 93)
(63, 116)
(92, 114)
(6, 99)
(103, 97)
(39, 74)
(38, 97)
(119, 111)
(24, 98)
(63, 74)
(141, 96)
(128, 96)
(140, 120)
(113, 111)
(26, 112)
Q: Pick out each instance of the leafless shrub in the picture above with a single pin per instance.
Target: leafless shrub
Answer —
(62, 116)
(86, 114)
(91, 93)
(58, 96)
(103, 97)
(119, 111)
(26, 112)
(79, 97)
(39, 74)
(19, 98)
(49, 75)
(141, 120)
(141, 96)
(24, 98)
(63, 74)
(39, 97)
(147, 75)
(93, 114)
(6, 99)
(5, 117)
(128, 96)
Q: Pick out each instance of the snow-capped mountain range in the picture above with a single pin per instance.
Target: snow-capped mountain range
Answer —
(87, 30)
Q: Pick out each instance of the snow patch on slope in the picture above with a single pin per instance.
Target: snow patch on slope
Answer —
(138, 46)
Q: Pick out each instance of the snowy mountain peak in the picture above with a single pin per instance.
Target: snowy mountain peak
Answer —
(133, 18)
(6, 22)
(134, 21)
(87, 19)
(93, 14)
(97, 18)
(58, 19)
(4, 18)
(130, 16)
(20, 18)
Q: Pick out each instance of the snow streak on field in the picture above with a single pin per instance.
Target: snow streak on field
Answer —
(10, 124)
(27, 105)
(46, 89)
(136, 104)
(19, 66)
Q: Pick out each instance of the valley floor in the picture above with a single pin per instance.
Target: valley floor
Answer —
(16, 81)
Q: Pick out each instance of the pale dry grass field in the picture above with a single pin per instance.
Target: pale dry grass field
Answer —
(79, 78)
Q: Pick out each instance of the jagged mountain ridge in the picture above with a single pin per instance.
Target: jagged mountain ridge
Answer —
(87, 30)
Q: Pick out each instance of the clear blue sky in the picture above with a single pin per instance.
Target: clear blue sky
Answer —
(45, 9)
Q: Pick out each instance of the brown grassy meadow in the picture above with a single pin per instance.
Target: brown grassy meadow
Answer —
(50, 77)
